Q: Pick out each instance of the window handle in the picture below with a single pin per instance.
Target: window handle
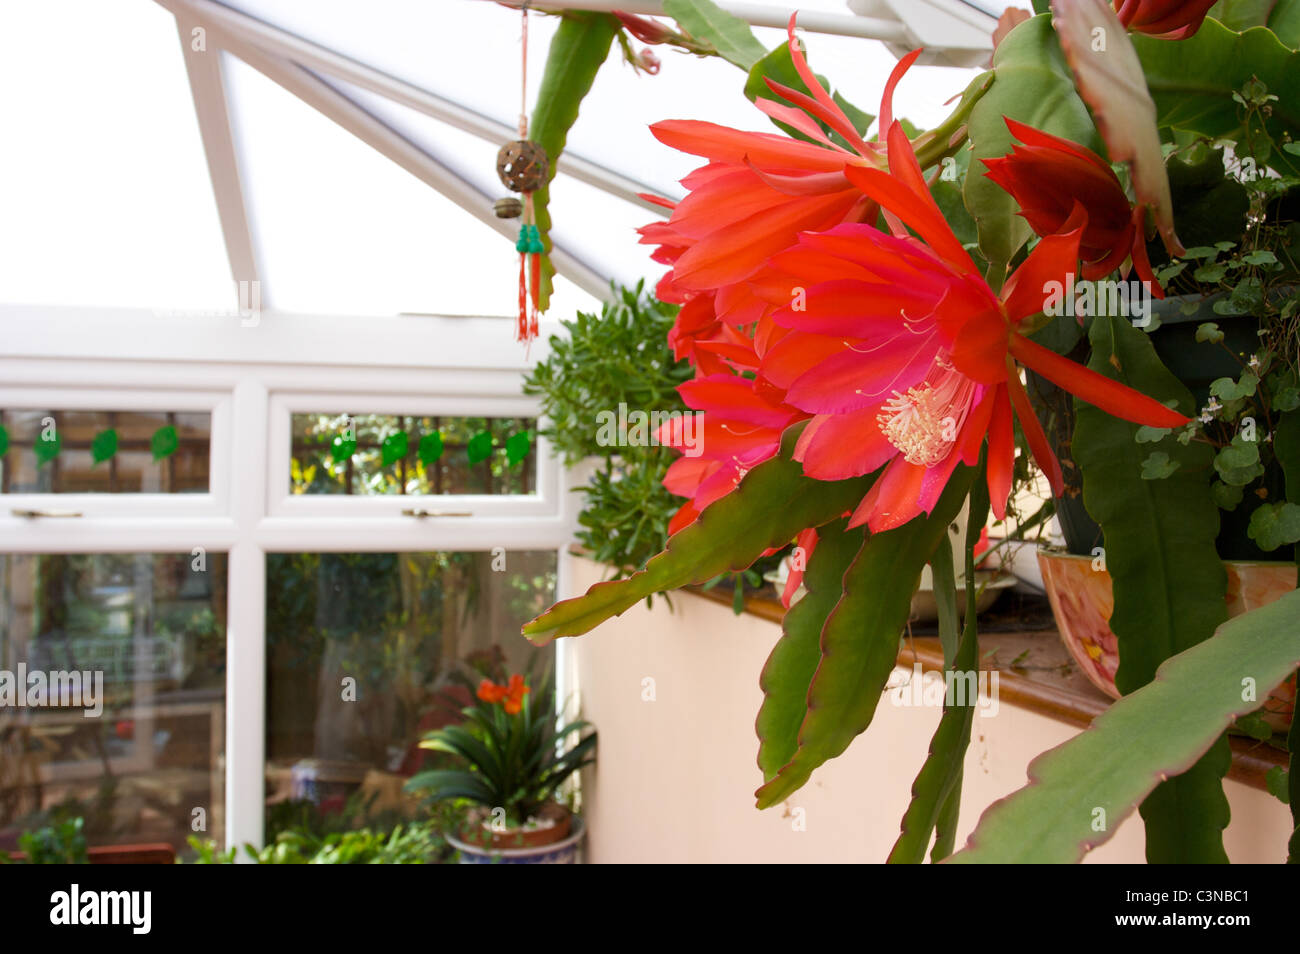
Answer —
(421, 513)
(17, 512)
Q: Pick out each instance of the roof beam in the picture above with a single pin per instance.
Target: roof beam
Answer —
(757, 14)
(203, 66)
(285, 45)
(422, 164)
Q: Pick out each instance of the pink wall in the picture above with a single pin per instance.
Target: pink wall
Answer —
(676, 776)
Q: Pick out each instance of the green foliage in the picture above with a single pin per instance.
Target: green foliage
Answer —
(773, 503)
(413, 843)
(859, 641)
(778, 66)
(729, 36)
(578, 48)
(1080, 792)
(936, 793)
(1032, 84)
(509, 761)
(619, 357)
(1169, 584)
(790, 667)
(59, 843)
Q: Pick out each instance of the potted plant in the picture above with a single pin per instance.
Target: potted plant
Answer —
(514, 760)
(859, 313)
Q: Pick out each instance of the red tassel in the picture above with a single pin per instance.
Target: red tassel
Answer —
(533, 330)
(521, 331)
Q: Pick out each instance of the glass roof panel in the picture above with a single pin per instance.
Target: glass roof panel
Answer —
(104, 188)
(342, 230)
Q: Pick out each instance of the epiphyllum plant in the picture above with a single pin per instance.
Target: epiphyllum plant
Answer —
(859, 321)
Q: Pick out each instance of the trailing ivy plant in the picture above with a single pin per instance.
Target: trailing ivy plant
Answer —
(619, 357)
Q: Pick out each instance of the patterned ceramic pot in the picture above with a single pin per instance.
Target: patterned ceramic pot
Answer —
(563, 852)
(1082, 602)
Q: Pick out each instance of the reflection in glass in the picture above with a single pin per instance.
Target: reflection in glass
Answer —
(150, 630)
(366, 652)
(376, 454)
(121, 452)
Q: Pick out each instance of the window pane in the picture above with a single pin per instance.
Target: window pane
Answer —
(125, 452)
(363, 652)
(376, 454)
(147, 635)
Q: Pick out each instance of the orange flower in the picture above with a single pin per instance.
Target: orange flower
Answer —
(515, 694)
(489, 691)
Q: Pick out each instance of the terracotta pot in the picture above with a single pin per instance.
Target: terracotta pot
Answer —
(555, 844)
(1082, 602)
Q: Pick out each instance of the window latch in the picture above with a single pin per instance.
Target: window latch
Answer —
(31, 514)
(420, 512)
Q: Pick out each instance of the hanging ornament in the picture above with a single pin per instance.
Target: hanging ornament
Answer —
(523, 167)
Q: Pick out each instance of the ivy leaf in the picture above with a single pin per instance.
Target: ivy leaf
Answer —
(1274, 525)
(1253, 725)
(1151, 435)
(517, 447)
(1229, 390)
(1226, 496)
(1238, 463)
(164, 442)
(4, 440)
(479, 447)
(103, 446)
(1158, 466)
(47, 449)
(1287, 399)
(1209, 332)
(393, 448)
(342, 448)
(430, 448)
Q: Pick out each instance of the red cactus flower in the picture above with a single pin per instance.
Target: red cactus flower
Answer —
(740, 428)
(1048, 176)
(1164, 19)
(906, 357)
(759, 190)
(645, 29)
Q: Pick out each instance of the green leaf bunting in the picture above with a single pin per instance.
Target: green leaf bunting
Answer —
(479, 447)
(164, 442)
(430, 448)
(342, 448)
(1080, 791)
(47, 446)
(517, 447)
(393, 448)
(103, 446)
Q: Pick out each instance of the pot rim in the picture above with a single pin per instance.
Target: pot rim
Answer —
(1060, 553)
(578, 830)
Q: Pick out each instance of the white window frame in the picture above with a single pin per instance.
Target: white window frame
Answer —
(252, 375)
